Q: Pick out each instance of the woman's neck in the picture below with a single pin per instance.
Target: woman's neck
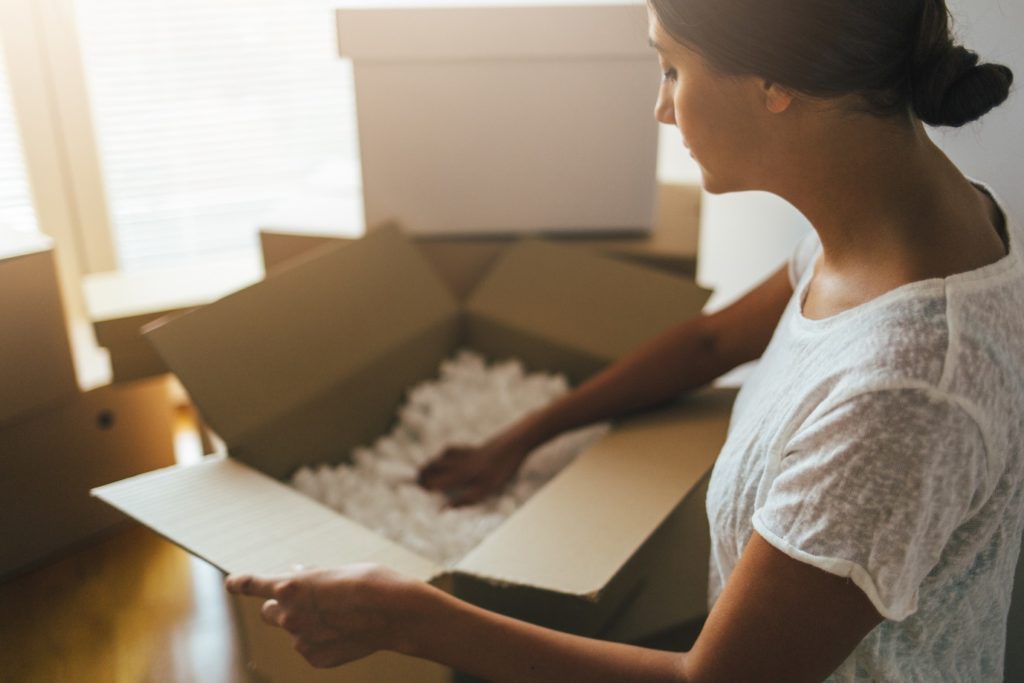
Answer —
(888, 205)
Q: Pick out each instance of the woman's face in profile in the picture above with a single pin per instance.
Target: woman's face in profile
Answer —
(721, 118)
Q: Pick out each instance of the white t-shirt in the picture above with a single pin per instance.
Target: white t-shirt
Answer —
(886, 444)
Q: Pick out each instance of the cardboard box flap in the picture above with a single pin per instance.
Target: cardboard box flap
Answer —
(119, 331)
(578, 531)
(590, 302)
(610, 30)
(240, 520)
(257, 355)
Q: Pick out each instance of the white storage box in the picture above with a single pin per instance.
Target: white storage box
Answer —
(505, 119)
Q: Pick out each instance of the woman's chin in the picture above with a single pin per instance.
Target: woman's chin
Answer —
(713, 184)
(710, 183)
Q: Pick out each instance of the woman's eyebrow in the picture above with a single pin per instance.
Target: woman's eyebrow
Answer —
(654, 44)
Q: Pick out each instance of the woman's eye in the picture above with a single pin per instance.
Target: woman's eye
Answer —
(668, 75)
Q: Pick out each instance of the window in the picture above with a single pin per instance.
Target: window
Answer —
(215, 119)
(16, 210)
(163, 133)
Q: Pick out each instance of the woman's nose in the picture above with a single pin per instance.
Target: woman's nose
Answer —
(664, 110)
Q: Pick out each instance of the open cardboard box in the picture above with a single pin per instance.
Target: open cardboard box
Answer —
(314, 360)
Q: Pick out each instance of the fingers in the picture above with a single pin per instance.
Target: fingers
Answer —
(330, 653)
(283, 586)
(297, 621)
(459, 477)
(430, 473)
(449, 480)
(442, 472)
(468, 496)
(272, 613)
(256, 586)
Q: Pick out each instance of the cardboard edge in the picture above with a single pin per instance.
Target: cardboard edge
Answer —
(177, 340)
(708, 401)
(29, 248)
(281, 520)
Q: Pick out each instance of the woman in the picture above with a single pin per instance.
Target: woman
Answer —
(867, 508)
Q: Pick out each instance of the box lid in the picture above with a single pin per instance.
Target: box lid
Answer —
(254, 357)
(447, 33)
(606, 503)
(583, 300)
(240, 520)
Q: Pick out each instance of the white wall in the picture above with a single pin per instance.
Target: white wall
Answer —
(992, 149)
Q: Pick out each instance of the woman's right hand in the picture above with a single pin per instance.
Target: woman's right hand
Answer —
(469, 474)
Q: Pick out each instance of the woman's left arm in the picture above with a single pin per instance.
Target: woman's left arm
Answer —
(778, 619)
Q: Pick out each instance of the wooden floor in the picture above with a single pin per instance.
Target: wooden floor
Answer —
(127, 608)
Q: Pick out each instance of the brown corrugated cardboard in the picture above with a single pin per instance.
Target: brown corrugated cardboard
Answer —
(580, 313)
(52, 459)
(322, 353)
(526, 119)
(131, 356)
(336, 337)
(36, 366)
(135, 359)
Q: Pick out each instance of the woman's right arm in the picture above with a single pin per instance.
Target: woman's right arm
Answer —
(684, 357)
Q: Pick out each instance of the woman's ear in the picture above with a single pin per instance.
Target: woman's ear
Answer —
(776, 98)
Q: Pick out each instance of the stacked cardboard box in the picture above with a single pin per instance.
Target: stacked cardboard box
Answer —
(314, 360)
(37, 368)
(56, 442)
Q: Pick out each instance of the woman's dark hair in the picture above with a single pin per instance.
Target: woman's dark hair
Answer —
(899, 55)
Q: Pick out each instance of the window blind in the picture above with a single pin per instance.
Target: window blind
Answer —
(211, 116)
(16, 210)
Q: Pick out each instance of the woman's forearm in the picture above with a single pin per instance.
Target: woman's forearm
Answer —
(680, 359)
(684, 357)
(500, 649)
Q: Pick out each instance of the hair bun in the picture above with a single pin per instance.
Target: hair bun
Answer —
(953, 89)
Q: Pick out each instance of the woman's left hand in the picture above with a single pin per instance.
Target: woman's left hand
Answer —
(337, 615)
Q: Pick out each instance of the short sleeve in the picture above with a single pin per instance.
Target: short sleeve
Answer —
(873, 490)
(803, 257)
